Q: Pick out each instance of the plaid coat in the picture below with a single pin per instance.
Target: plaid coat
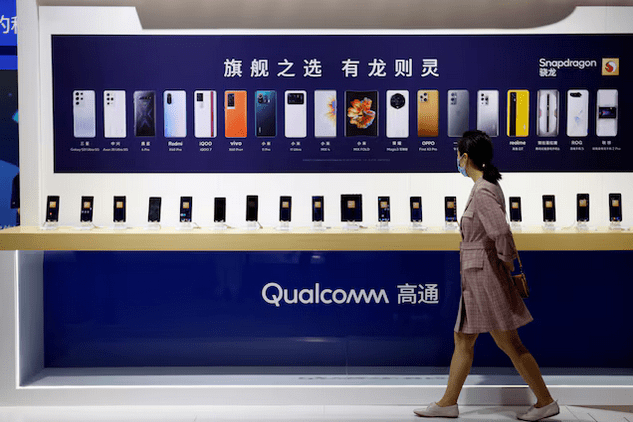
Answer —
(489, 301)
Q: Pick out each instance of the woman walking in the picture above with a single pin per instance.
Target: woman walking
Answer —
(489, 302)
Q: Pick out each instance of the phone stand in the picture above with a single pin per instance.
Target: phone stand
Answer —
(617, 225)
(351, 225)
(318, 226)
(219, 225)
(86, 225)
(451, 226)
(283, 226)
(382, 225)
(549, 226)
(516, 226)
(119, 226)
(186, 225)
(50, 225)
(582, 226)
(252, 225)
(417, 225)
(152, 226)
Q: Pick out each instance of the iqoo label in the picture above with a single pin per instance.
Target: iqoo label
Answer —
(274, 294)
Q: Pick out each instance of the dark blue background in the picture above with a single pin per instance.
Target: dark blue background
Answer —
(465, 62)
(120, 309)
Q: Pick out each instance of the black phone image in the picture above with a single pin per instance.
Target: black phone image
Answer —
(450, 208)
(153, 215)
(186, 206)
(415, 204)
(285, 208)
(52, 209)
(145, 113)
(119, 209)
(86, 209)
(251, 207)
(549, 209)
(384, 212)
(318, 214)
(219, 210)
(352, 208)
(582, 207)
(615, 207)
(515, 209)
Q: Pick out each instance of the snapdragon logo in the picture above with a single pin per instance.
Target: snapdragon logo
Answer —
(275, 294)
(559, 63)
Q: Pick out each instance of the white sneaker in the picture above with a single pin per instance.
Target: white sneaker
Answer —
(536, 414)
(435, 411)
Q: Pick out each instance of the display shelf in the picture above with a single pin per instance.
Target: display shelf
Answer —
(297, 239)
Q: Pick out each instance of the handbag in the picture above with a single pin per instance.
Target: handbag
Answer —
(520, 282)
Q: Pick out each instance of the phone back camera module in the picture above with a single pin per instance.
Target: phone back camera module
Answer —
(397, 101)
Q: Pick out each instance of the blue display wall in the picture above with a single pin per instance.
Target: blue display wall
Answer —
(328, 309)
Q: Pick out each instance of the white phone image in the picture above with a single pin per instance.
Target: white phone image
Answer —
(577, 112)
(175, 107)
(547, 117)
(296, 114)
(205, 114)
(397, 114)
(84, 114)
(114, 114)
(607, 112)
(488, 112)
(325, 113)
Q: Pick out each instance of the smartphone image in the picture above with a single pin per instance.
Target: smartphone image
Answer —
(397, 114)
(114, 114)
(144, 113)
(577, 112)
(582, 207)
(175, 114)
(515, 209)
(351, 208)
(219, 210)
(205, 122)
(296, 114)
(547, 117)
(458, 112)
(450, 208)
(153, 216)
(607, 113)
(266, 114)
(518, 112)
(549, 209)
(488, 112)
(186, 208)
(615, 207)
(361, 109)
(428, 113)
(86, 209)
(251, 207)
(84, 114)
(318, 203)
(285, 208)
(384, 212)
(235, 125)
(415, 204)
(119, 209)
(52, 209)
(325, 113)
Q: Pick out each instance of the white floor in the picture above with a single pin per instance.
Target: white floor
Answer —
(284, 413)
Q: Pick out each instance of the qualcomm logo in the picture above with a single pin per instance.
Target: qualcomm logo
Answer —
(610, 66)
(275, 294)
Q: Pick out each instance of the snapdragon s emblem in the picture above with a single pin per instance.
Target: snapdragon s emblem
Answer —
(610, 67)
(360, 113)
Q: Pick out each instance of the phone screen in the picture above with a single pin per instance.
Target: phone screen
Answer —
(119, 209)
(154, 209)
(515, 209)
(384, 213)
(615, 207)
(186, 205)
(415, 203)
(351, 208)
(86, 208)
(52, 209)
(219, 210)
(549, 208)
(450, 208)
(582, 207)
(317, 208)
(285, 208)
(251, 207)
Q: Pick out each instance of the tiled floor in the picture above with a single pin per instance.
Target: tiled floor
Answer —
(284, 414)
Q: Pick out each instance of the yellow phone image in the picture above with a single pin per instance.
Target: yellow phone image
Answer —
(518, 112)
(428, 113)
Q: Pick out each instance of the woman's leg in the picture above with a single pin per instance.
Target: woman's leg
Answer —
(525, 364)
(460, 367)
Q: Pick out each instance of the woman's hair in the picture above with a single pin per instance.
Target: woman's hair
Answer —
(478, 146)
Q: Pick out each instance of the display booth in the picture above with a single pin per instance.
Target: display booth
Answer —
(271, 216)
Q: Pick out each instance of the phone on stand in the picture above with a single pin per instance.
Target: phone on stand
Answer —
(52, 209)
(251, 208)
(615, 207)
(450, 209)
(549, 209)
(285, 209)
(186, 206)
(582, 207)
(384, 212)
(86, 209)
(119, 209)
(352, 209)
(219, 210)
(153, 215)
(515, 209)
(415, 204)
(318, 215)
